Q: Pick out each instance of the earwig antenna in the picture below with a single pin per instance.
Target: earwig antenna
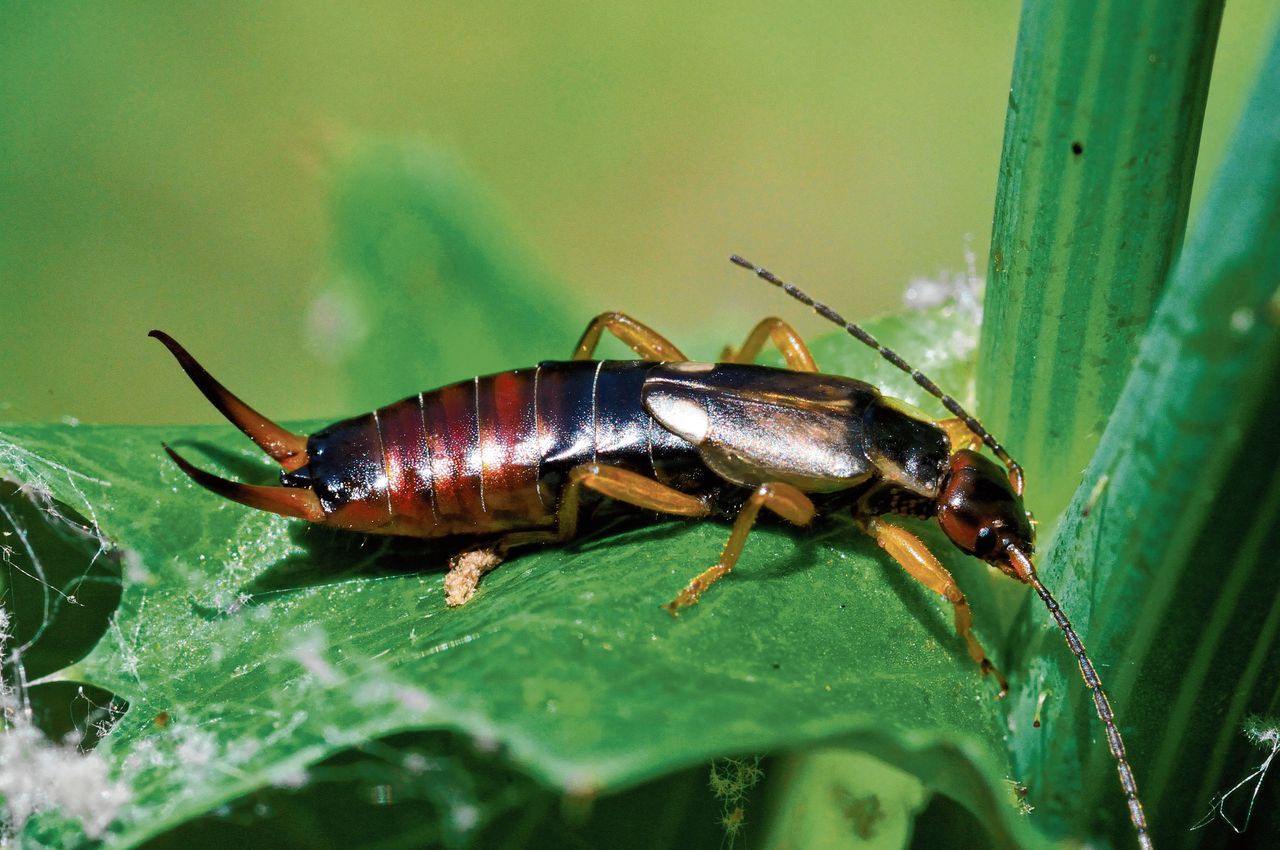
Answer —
(1100, 702)
(856, 331)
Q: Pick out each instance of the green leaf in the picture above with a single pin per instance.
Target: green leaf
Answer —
(1165, 557)
(422, 789)
(1095, 179)
(60, 585)
(250, 646)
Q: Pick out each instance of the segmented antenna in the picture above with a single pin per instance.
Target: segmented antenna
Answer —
(856, 331)
(1100, 702)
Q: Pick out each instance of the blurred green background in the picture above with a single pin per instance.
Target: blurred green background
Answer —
(171, 167)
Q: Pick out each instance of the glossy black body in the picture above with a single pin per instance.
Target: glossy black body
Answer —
(491, 454)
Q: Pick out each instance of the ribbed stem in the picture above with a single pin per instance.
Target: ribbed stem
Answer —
(1166, 552)
(1101, 138)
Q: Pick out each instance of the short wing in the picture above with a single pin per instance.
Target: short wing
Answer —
(753, 424)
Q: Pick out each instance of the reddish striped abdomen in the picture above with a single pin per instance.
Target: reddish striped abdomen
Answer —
(491, 454)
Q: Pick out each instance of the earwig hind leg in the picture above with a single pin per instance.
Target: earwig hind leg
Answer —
(783, 499)
(785, 338)
(911, 553)
(619, 484)
(622, 485)
(959, 435)
(634, 489)
(639, 337)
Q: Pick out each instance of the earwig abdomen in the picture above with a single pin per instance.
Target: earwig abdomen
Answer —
(491, 454)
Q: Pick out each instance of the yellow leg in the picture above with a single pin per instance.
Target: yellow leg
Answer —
(914, 557)
(639, 337)
(783, 499)
(784, 337)
(959, 434)
(621, 485)
(466, 569)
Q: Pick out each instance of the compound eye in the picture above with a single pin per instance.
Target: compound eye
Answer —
(985, 543)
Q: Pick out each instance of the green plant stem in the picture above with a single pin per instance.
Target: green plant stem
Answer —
(1095, 179)
(1162, 552)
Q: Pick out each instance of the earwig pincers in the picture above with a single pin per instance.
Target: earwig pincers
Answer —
(517, 458)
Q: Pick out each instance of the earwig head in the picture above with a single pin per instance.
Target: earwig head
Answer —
(981, 513)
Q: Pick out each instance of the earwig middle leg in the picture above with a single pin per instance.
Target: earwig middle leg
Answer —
(639, 337)
(620, 484)
(784, 337)
(911, 553)
(783, 499)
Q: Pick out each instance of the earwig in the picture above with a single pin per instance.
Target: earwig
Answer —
(517, 458)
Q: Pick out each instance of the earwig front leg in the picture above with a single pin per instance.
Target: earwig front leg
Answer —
(914, 557)
(783, 499)
(639, 337)
(785, 338)
(959, 435)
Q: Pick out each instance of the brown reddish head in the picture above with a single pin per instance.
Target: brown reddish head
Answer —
(981, 513)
